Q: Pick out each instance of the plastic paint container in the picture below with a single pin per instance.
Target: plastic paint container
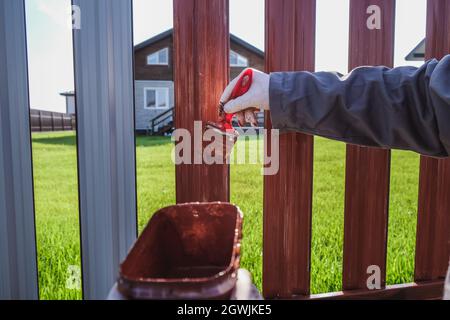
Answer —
(187, 251)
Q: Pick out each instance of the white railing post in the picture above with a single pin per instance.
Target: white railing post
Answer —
(103, 50)
(18, 272)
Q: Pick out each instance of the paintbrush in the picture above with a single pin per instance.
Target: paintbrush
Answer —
(224, 126)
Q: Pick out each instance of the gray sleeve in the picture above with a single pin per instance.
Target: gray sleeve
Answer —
(400, 108)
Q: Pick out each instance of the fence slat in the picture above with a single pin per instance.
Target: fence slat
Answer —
(201, 49)
(18, 270)
(290, 44)
(103, 49)
(433, 224)
(367, 169)
(40, 121)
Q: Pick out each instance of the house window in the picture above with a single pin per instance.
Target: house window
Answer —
(236, 60)
(160, 57)
(156, 98)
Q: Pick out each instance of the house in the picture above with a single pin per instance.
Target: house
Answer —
(154, 88)
(70, 101)
(418, 53)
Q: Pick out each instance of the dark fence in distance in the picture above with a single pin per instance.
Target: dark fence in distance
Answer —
(51, 121)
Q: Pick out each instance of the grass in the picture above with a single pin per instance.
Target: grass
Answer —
(54, 156)
(56, 203)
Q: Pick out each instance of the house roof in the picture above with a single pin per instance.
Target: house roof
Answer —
(67, 93)
(418, 53)
(169, 33)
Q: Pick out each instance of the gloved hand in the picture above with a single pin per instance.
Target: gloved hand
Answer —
(257, 97)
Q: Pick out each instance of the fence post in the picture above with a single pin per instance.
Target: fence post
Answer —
(367, 169)
(18, 270)
(201, 58)
(103, 50)
(290, 46)
(433, 223)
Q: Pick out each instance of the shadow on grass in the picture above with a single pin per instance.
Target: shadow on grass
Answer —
(70, 140)
(66, 140)
(146, 141)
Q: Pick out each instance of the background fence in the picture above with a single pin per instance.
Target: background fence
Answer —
(51, 121)
(106, 153)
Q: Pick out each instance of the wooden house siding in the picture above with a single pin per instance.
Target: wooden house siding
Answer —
(143, 71)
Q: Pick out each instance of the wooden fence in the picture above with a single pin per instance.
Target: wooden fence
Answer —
(51, 121)
(106, 152)
(290, 43)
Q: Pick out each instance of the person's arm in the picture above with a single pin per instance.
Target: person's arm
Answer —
(399, 108)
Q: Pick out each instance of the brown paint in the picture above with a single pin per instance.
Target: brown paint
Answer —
(201, 59)
(367, 169)
(186, 251)
(290, 44)
(433, 224)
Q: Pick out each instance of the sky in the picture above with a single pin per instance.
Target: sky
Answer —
(50, 58)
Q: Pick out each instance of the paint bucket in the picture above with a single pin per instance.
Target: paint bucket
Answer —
(187, 251)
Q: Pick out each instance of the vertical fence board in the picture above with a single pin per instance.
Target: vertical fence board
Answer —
(290, 44)
(40, 121)
(433, 224)
(367, 169)
(103, 49)
(201, 49)
(18, 270)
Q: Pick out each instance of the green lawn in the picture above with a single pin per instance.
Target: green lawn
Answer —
(55, 178)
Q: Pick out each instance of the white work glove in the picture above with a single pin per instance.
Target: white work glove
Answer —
(256, 98)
